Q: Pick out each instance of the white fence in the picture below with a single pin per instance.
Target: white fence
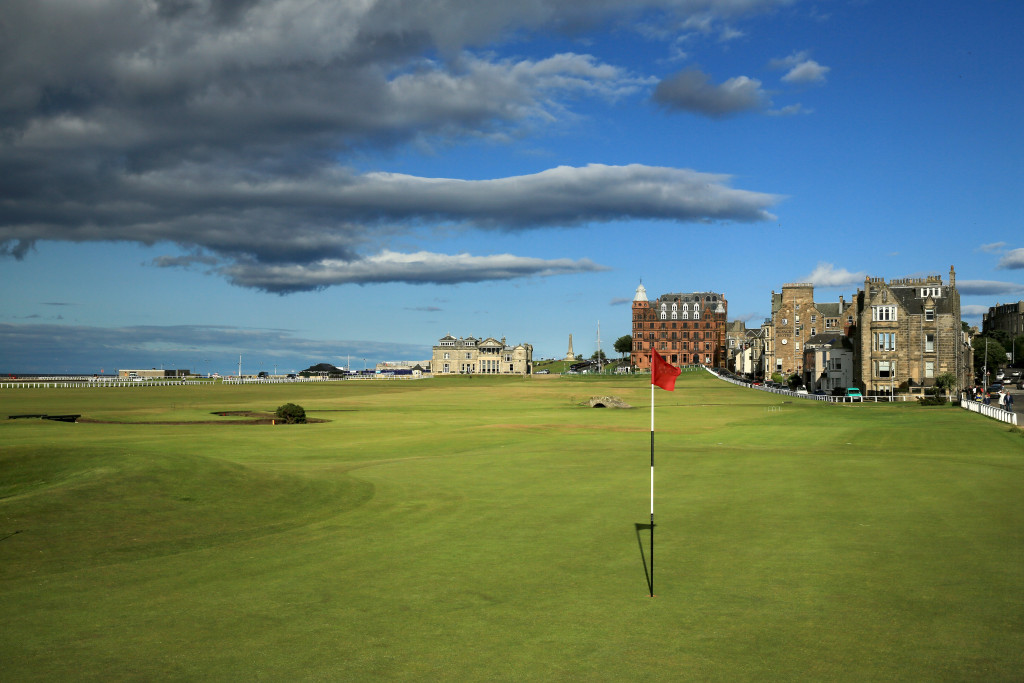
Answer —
(813, 397)
(117, 383)
(995, 412)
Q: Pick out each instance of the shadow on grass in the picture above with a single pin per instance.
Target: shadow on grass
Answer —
(643, 558)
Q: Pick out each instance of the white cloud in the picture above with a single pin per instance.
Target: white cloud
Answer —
(801, 69)
(1012, 260)
(973, 310)
(993, 247)
(827, 275)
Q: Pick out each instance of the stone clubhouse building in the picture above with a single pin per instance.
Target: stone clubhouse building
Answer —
(490, 356)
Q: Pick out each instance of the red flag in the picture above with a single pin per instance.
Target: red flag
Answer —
(662, 373)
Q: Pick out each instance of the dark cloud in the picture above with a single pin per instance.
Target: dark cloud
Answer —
(691, 90)
(988, 287)
(218, 125)
(416, 268)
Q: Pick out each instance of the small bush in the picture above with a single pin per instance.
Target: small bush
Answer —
(291, 414)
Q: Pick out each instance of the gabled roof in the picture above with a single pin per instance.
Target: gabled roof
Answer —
(832, 310)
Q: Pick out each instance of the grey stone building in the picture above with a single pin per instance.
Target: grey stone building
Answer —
(908, 332)
(1008, 318)
(469, 355)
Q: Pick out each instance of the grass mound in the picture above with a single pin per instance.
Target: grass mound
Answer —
(74, 508)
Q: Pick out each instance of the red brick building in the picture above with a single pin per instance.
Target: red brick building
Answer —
(686, 329)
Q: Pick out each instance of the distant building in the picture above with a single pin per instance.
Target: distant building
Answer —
(1008, 318)
(828, 361)
(795, 319)
(153, 373)
(469, 355)
(402, 367)
(686, 329)
(908, 333)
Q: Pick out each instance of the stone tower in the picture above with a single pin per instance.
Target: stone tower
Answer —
(569, 355)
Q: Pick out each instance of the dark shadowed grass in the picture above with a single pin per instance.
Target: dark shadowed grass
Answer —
(485, 529)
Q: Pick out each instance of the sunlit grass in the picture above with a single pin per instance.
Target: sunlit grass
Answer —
(485, 529)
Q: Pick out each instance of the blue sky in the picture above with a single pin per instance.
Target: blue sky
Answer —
(186, 181)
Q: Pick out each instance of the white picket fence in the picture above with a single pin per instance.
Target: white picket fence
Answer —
(993, 411)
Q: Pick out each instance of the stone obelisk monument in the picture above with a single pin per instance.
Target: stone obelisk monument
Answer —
(569, 355)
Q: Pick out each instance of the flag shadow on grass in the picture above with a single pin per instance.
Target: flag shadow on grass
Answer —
(643, 557)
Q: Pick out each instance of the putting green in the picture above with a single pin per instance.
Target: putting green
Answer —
(486, 529)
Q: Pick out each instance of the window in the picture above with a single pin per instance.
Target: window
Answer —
(934, 292)
(883, 368)
(686, 316)
(664, 315)
(814, 319)
(883, 313)
(447, 355)
(929, 343)
(785, 321)
(929, 314)
(814, 331)
(675, 315)
(675, 307)
(929, 368)
(696, 314)
(468, 355)
(884, 341)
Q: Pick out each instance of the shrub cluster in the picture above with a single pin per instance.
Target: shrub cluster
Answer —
(933, 399)
(291, 414)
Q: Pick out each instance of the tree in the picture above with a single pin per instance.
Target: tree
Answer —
(624, 345)
(946, 382)
(996, 357)
(291, 414)
(599, 353)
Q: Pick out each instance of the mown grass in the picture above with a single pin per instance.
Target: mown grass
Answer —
(485, 529)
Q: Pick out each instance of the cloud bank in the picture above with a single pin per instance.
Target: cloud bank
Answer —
(226, 126)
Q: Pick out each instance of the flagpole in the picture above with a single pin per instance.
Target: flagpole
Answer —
(652, 490)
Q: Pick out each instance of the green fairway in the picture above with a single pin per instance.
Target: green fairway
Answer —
(486, 529)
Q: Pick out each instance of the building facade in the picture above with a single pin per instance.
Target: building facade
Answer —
(1008, 318)
(828, 360)
(686, 329)
(469, 355)
(795, 319)
(908, 333)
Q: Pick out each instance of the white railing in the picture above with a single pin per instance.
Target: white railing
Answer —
(814, 397)
(995, 412)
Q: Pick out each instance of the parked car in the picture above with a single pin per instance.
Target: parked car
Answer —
(801, 390)
(853, 393)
